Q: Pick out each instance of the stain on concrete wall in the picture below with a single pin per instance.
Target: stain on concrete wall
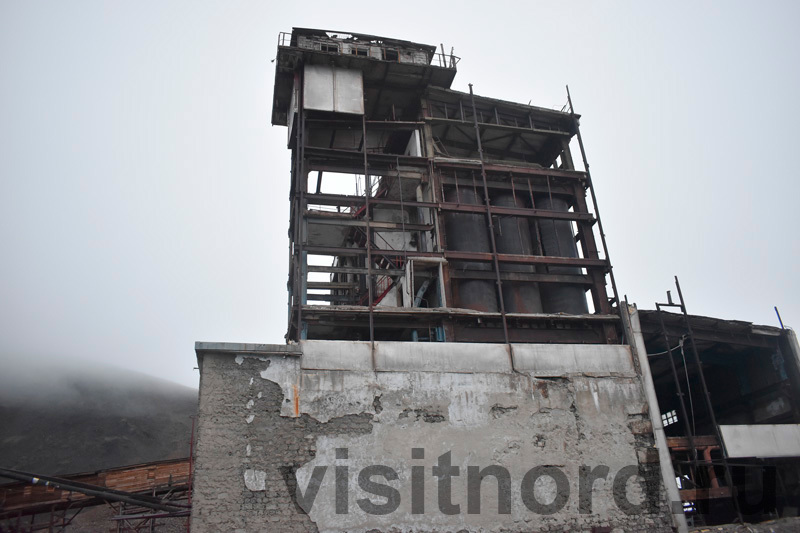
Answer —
(342, 450)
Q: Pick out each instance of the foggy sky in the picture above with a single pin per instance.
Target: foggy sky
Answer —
(144, 194)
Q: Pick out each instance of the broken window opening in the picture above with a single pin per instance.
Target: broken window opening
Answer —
(339, 183)
(669, 418)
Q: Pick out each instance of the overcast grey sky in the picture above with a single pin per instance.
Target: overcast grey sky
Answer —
(144, 194)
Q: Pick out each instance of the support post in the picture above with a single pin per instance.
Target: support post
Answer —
(594, 201)
(367, 193)
(709, 405)
(489, 220)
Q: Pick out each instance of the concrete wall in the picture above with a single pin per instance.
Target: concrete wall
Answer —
(377, 436)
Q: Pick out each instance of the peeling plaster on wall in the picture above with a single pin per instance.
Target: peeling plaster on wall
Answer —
(474, 437)
(322, 394)
(240, 358)
(508, 419)
(278, 446)
(255, 480)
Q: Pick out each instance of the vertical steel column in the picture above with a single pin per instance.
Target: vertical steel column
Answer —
(300, 183)
(489, 219)
(368, 191)
(709, 405)
(594, 203)
(684, 414)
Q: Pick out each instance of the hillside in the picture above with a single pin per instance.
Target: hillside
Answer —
(62, 419)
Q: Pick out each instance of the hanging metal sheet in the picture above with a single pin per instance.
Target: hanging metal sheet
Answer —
(328, 88)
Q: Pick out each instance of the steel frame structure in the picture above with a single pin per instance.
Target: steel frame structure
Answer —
(465, 141)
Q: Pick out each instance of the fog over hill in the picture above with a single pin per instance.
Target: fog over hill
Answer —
(65, 417)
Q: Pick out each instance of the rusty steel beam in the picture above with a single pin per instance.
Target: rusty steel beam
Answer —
(331, 285)
(350, 201)
(353, 270)
(310, 297)
(330, 219)
(402, 125)
(565, 189)
(684, 443)
(503, 127)
(651, 327)
(506, 168)
(520, 211)
(450, 312)
(464, 256)
(573, 279)
(691, 495)
(333, 153)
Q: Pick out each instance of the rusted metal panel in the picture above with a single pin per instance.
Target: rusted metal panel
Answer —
(690, 495)
(680, 443)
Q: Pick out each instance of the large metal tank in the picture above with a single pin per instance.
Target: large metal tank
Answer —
(513, 236)
(468, 232)
(558, 240)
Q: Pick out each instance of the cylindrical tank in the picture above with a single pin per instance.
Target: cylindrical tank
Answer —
(513, 236)
(468, 232)
(558, 240)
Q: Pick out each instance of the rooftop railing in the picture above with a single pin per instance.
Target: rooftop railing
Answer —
(365, 49)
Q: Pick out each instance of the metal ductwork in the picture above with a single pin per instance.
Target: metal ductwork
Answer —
(558, 240)
(513, 236)
(468, 232)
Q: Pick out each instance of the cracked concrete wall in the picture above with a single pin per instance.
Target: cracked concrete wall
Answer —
(267, 426)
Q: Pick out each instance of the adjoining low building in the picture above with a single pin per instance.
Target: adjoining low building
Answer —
(749, 419)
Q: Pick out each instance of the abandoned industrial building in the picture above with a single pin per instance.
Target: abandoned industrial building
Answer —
(457, 354)
(451, 298)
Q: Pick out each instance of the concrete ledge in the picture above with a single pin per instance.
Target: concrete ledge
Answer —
(459, 357)
(245, 348)
(336, 355)
(539, 360)
(556, 360)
